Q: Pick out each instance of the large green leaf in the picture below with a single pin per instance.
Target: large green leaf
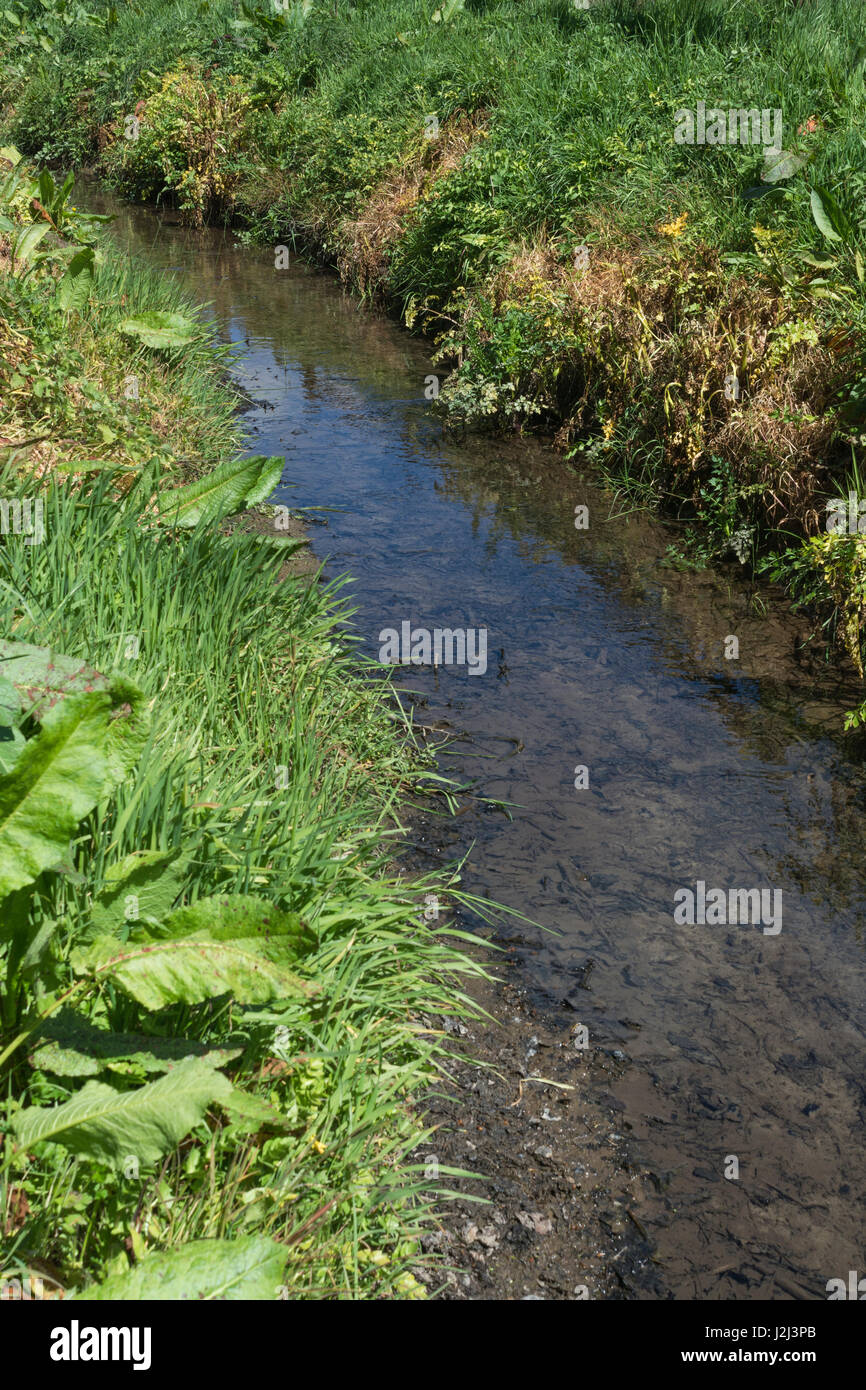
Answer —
(232, 944)
(140, 888)
(249, 1113)
(188, 970)
(11, 738)
(42, 676)
(781, 164)
(74, 1047)
(83, 749)
(11, 746)
(158, 328)
(73, 291)
(112, 1126)
(27, 240)
(250, 1267)
(235, 484)
(128, 725)
(830, 218)
(230, 916)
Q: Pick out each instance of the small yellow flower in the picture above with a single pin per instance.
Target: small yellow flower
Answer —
(317, 1146)
(608, 428)
(675, 228)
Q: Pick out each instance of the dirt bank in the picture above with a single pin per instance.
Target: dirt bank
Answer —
(531, 1114)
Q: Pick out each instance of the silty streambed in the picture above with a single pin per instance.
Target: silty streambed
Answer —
(739, 1042)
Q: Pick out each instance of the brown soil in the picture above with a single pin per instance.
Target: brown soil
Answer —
(259, 521)
(560, 1211)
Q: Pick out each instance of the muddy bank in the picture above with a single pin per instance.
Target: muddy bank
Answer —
(559, 1215)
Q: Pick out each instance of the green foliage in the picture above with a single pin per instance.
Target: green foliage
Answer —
(102, 1122)
(229, 487)
(85, 744)
(182, 964)
(248, 1268)
(161, 330)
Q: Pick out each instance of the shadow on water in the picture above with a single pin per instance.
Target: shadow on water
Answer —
(740, 1043)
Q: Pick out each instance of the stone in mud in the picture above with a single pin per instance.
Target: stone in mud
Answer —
(534, 1221)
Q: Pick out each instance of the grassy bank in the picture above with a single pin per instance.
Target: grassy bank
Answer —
(211, 972)
(516, 179)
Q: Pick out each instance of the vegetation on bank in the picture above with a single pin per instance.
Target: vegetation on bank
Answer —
(212, 977)
(509, 176)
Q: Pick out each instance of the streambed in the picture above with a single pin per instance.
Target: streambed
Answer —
(639, 761)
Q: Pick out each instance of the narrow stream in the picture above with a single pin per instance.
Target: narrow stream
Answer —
(740, 1042)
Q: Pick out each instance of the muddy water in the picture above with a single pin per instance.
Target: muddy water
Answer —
(739, 1043)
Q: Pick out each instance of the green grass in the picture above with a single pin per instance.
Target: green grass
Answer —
(279, 764)
(556, 133)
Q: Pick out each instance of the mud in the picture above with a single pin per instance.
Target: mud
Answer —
(554, 1212)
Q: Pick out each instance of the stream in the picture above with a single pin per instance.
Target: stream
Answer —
(741, 1041)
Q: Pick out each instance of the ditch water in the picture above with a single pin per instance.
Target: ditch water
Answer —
(738, 1042)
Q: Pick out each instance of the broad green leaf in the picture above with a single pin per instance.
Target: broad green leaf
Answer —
(73, 291)
(160, 329)
(111, 1126)
(190, 969)
(12, 745)
(141, 888)
(232, 916)
(780, 165)
(35, 958)
(128, 726)
(42, 676)
(9, 153)
(77, 756)
(11, 738)
(235, 484)
(46, 187)
(27, 241)
(287, 545)
(250, 1267)
(250, 1113)
(75, 1047)
(10, 700)
(829, 218)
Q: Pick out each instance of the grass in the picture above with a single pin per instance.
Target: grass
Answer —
(507, 178)
(276, 765)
